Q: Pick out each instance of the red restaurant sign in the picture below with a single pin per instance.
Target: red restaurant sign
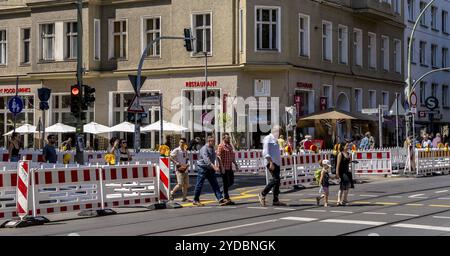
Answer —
(305, 85)
(13, 90)
(201, 84)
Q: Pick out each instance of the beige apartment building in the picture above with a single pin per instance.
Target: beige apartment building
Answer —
(315, 55)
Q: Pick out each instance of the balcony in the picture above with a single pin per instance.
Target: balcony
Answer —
(373, 9)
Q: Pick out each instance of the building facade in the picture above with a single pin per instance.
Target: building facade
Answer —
(430, 51)
(312, 54)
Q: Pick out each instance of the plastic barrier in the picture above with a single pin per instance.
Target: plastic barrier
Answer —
(8, 193)
(250, 162)
(430, 161)
(372, 162)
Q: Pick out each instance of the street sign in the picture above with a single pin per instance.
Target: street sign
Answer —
(152, 101)
(432, 103)
(133, 80)
(413, 99)
(15, 105)
(384, 107)
(414, 110)
(369, 111)
(135, 107)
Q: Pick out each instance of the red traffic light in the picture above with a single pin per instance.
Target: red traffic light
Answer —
(75, 91)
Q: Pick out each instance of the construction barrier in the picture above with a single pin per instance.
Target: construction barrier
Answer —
(372, 162)
(250, 161)
(76, 188)
(431, 161)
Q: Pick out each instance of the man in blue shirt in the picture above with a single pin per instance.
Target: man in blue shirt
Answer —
(272, 161)
(49, 152)
(206, 169)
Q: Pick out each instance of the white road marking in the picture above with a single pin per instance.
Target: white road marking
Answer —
(369, 195)
(375, 213)
(358, 222)
(228, 228)
(263, 208)
(416, 196)
(299, 219)
(341, 212)
(315, 211)
(444, 198)
(373, 234)
(284, 209)
(406, 214)
(441, 217)
(441, 191)
(73, 234)
(427, 227)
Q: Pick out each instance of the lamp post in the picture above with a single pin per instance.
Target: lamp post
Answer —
(409, 78)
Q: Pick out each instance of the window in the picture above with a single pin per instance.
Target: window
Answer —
(358, 99)
(357, 47)
(3, 47)
(445, 57)
(202, 32)
(304, 35)
(71, 40)
(434, 55)
(343, 44)
(445, 95)
(422, 92)
(385, 98)
(422, 50)
(97, 39)
(434, 88)
(267, 28)
(384, 48)
(25, 49)
(327, 92)
(397, 6)
(411, 10)
(434, 17)
(118, 48)
(327, 45)
(372, 50)
(423, 18)
(397, 56)
(152, 30)
(372, 99)
(47, 42)
(445, 22)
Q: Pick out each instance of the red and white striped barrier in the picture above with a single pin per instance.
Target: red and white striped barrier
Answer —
(372, 162)
(164, 178)
(250, 162)
(22, 188)
(293, 173)
(8, 194)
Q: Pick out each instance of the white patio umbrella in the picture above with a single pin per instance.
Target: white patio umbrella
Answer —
(167, 127)
(26, 128)
(122, 127)
(60, 128)
(95, 128)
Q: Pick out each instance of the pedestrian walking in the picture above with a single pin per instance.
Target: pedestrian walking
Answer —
(226, 159)
(66, 147)
(281, 141)
(426, 142)
(364, 144)
(124, 153)
(113, 154)
(344, 174)
(179, 156)
(437, 140)
(324, 182)
(49, 151)
(206, 169)
(14, 148)
(272, 161)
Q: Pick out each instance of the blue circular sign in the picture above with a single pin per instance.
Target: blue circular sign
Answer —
(15, 105)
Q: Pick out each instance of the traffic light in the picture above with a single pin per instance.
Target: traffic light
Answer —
(188, 39)
(44, 96)
(88, 96)
(75, 100)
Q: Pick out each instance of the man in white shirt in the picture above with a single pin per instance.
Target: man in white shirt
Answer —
(272, 161)
(179, 157)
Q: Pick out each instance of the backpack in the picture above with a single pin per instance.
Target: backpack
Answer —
(333, 162)
(317, 174)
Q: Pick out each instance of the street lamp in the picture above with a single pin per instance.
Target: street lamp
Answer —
(409, 78)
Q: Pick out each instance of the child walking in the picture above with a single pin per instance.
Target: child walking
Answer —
(324, 182)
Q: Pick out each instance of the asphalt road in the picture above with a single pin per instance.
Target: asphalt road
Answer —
(384, 207)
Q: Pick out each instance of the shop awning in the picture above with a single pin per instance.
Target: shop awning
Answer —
(332, 114)
(167, 127)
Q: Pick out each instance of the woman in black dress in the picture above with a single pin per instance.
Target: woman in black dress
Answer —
(344, 174)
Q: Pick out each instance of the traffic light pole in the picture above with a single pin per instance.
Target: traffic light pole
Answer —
(79, 127)
(137, 129)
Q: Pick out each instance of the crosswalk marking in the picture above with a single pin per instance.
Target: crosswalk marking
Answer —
(406, 214)
(341, 211)
(358, 222)
(284, 209)
(229, 228)
(375, 213)
(441, 191)
(426, 227)
(441, 217)
(299, 219)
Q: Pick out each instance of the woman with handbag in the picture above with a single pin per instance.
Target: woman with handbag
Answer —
(179, 156)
